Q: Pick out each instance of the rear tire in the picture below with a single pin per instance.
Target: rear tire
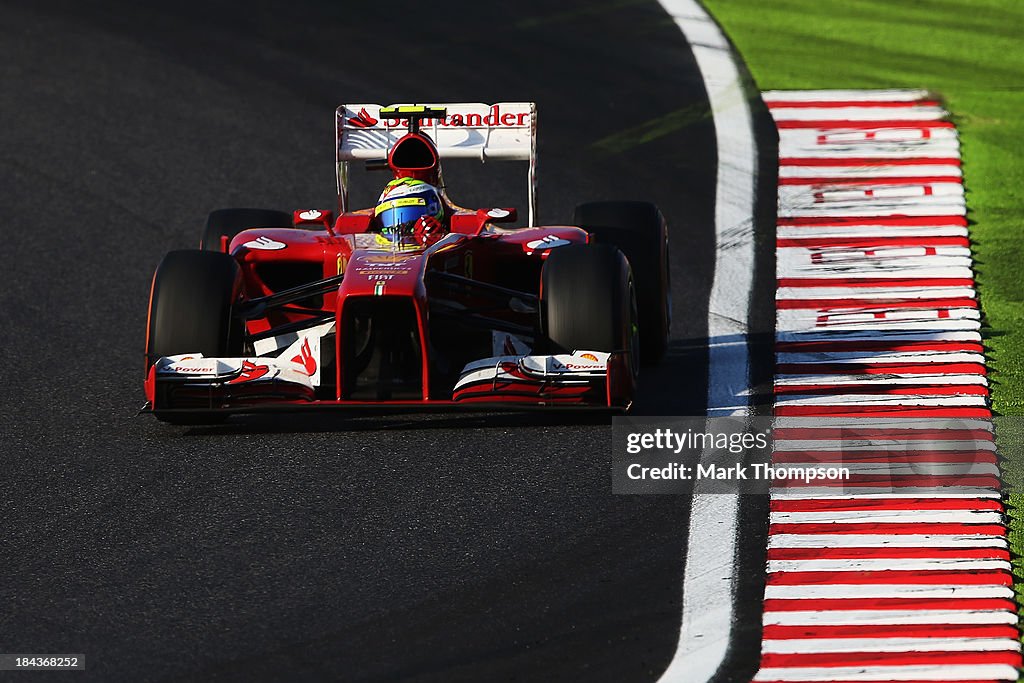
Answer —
(190, 311)
(588, 302)
(639, 230)
(229, 222)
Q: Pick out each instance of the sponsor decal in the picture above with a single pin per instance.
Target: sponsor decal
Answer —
(398, 203)
(250, 372)
(362, 120)
(547, 242)
(589, 356)
(378, 289)
(383, 270)
(577, 366)
(469, 264)
(401, 188)
(571, 366)
(341, 264)
(498, 213)
(305, 358)
(494, 118)
(193, 370)
(311, 215)
(264, 243)
(387, 259)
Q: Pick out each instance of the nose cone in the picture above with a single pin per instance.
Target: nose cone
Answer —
(384, 273)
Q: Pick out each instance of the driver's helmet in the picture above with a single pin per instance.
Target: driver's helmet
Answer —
(410, 213)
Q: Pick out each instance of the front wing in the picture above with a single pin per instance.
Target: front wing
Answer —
(191, 382)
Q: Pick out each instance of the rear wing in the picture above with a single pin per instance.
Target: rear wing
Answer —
(505, 131)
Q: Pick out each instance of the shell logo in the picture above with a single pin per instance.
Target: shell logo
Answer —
(546, 242)
(589, 356)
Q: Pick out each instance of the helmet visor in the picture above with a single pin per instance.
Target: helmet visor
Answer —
(398, 213)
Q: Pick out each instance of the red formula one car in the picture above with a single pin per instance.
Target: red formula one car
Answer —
(416, 302)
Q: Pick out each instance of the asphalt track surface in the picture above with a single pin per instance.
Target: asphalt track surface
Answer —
(461, 547)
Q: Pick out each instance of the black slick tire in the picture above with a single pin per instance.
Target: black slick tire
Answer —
(190, 311)
(638, 230)
(588, 302)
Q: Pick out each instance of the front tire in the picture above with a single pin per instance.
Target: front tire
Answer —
(190, 311)
(639, 230)
(588, 302)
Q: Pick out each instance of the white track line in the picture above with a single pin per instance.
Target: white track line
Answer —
(855, 443)
(934, 672)
(888, 209)
(890, 357)
(876, 591)
(869, 400)
(883, 423)
(878, 95)
(884, 292)
(921, 144)
(933, 468)
(889, 516)
(805, 540)
(813, 493)
(868, 494)
(836, 380)
(908, 113)
(868, 617)
(839, 173)
(797, 646)
(708, 582)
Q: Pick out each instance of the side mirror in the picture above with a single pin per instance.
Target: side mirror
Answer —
(313, 216)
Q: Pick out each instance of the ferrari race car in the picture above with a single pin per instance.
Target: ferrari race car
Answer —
(321, 310)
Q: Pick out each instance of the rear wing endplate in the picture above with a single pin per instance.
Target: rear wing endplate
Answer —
(504, 131)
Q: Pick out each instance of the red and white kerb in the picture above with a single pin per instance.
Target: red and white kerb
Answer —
(909, 580)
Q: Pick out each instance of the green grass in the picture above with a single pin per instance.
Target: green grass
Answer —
(972, 54)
